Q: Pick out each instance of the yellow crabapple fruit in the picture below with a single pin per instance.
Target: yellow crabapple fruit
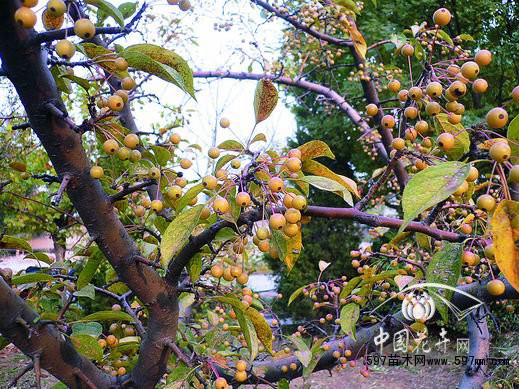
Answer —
(65, 49)
(277, 221)
(209, 182)
(371, 109)
(243, 199)
(157, 205)
(496, 287)
(221, 205)
(446, 141)
(224, 122)
(115, 103)
(185, 163)
(442, 17)
(84, 28)
(175, 138)
(174, 192)
(497, 118)
(56, 8)
(483, 57)
(131, 141)
(96, 172)
(276, 184)
(213, 153)
(500, 151)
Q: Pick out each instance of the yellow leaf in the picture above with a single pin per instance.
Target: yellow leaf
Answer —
(104, 58)
(265, 99)
(505, 232)
(318, 169)
(358, 40)
(315, 149)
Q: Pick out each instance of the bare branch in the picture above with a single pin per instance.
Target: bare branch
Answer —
(130, 189)
(49, 36)
(309, 30)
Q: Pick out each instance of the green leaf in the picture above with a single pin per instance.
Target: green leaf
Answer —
(249, 333)
(303, 353)
(170, 60)
(62, 84)
(352, 284)
(180, 373)
(127, 9)
(12, 242)
(446, 37)
(107, 316)
(466, 37)
(283, 384)
(315, 149)
(103, 57)
(40, 256)
(231, 145)
(78, 80)
(431, 186)
(86, 291)
(188, 196)
(194, 267)
(141, 61)
(265, 99)
(162, 155)
(263, 330)
(313, 167)
(445, 268)
(110, 10)
(225, 233)
(461, 136)
(88, 346)
(178, 232)
(349, 316)
(348, 4)
(222, 161)
(296, 294)
(513, 136)
(329, 185)
(317, 352)
(31, 277)
(93, 329)
(259, 138)
(88, 272)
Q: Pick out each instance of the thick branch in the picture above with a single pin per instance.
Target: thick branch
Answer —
(19, 324)
(271, 370)
(130, 189)
(479, 350)
(382, 221)
(309, 30)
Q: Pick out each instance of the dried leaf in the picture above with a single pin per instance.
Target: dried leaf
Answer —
(265, 99)
(505, 233)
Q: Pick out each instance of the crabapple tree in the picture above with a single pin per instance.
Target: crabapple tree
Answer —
(154, 289)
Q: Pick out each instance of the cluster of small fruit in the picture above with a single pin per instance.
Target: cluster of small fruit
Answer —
(53, 17)
(117, 361)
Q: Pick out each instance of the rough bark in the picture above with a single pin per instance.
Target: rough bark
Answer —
(19, 324)
(26, 67)
(479, 349)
